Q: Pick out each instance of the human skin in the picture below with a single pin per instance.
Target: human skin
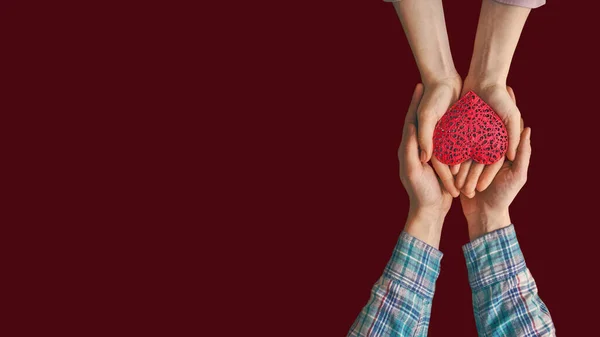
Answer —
(425, 27)
(498, 33)
(429, 201)
(487, 211)
(497, 36)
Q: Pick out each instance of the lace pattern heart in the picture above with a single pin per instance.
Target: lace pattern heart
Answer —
(470, 129)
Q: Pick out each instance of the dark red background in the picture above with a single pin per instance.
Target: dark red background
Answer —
(231, 166)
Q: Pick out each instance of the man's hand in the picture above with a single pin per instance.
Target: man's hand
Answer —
(429, 201)
(488, 210)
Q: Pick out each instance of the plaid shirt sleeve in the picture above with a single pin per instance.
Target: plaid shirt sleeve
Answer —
(505, 297)
(400, 303)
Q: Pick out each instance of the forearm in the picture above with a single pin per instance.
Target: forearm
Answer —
(497, 36)
(425, 27)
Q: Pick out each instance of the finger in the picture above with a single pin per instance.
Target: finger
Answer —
(408, 153)
(411, 115)
(488, 174)
(521, 163)
(426, 126)
(446, 177)
(513, 127)
(461, 177)
(522, 124)
(472, 178)
(511, 93)
(409, 150)
(454, 169)
(512, 123)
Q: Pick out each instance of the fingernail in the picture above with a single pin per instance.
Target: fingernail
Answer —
(423, 156)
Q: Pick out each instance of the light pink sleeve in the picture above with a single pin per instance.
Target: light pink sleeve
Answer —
(522, 3)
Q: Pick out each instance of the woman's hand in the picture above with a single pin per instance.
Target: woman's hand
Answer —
(439, 95)
(429, 201)
(498, 33)
(471, 175)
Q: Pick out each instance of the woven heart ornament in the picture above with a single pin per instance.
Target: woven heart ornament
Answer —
(470, 129)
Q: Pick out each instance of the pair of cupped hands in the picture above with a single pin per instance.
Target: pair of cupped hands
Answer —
(486, 191)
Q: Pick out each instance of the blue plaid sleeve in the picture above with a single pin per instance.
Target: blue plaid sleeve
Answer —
(505, 297)
(400, 303)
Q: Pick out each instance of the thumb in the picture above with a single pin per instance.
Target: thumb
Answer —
(511, 93)
(515, 136)
(521, 163)
(409, 153)
(425, 134)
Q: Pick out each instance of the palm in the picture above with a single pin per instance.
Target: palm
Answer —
(500, 100)
(427, 190)
(473, 176)
(499, 194)
(422, 185)
(436, 100)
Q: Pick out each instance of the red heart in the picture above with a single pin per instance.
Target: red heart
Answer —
(470, 129)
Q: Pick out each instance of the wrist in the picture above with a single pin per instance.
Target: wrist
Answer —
(498, 33)
(445, 77)
(426, 225)
(481, 82)
(486, 221)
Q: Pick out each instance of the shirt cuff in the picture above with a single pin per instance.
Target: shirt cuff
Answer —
(415, 264)
(524, 3)
(494, 257)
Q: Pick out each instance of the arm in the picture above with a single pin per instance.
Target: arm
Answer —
(400, 303)
(425, 27)
(505, 297)
(498, 33)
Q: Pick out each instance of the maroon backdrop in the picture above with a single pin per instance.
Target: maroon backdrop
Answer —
(239, 158)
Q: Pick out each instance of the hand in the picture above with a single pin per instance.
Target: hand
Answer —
(471, 175)
(439, 95)
(429, 201)
(488, 210)
(498, 33)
